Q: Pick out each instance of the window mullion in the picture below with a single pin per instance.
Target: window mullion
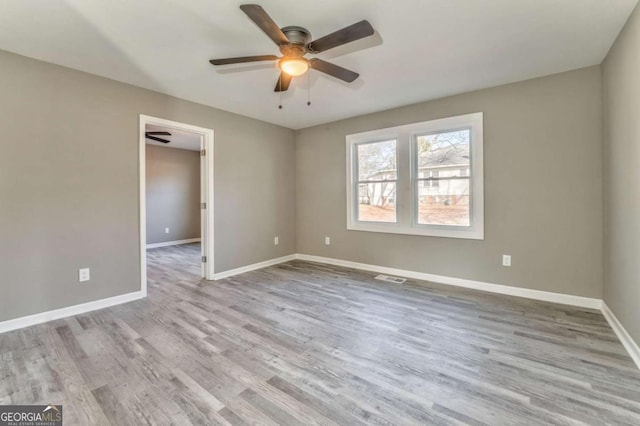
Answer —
(403, 187)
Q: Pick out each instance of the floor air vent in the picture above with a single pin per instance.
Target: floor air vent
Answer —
(390, 279)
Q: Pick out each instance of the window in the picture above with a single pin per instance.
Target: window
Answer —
(442, 154)
(377, 177)
(423, 179)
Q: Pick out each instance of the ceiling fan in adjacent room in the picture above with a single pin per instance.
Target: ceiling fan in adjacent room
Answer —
(154, 136)
(294, 43)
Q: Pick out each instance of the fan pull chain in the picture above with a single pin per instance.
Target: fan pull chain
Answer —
(280, 91)
(308, 88)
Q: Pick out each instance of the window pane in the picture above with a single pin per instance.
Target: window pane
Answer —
(377, 161)
(377, 202)
(445, 204)
(446, 152)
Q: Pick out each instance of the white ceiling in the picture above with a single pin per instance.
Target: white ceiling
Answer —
(422, 49)
(180, 139)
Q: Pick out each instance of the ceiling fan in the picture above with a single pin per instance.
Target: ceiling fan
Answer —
(294, 43)
(154, 136)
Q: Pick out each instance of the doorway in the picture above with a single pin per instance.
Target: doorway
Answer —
(160, 134)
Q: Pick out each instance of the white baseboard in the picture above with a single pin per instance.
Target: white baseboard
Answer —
(566, 299)
(627, 341)
(173, 243)
(253, 267)
(55, 314)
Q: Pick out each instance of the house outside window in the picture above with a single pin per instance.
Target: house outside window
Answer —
(423, 179)
(430, 183)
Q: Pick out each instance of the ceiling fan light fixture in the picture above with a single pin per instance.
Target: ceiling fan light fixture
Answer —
(294, 43)
(294, 66)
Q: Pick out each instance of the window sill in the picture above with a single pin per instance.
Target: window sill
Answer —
(425, 231)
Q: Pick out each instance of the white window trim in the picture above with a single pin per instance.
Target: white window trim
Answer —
(406, 200)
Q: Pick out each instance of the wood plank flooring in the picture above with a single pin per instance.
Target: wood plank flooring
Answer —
(303, 343)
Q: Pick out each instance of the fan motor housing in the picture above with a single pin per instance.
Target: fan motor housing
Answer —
(297, 35)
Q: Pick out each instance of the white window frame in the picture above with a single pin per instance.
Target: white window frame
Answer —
(407, 184)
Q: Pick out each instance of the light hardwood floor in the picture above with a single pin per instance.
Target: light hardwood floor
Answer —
(303, 343)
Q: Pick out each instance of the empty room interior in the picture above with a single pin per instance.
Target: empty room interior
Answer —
(338, 212)
(173, 195)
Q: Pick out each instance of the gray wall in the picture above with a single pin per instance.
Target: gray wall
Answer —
(173, 194)
(621, 83)
(69, 185)
(543, 188)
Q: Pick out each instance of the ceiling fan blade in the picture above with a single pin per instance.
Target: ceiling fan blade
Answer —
(346, 35)
(153, 138)
(242, 59)
(257, 14)
(333, 70)
(283, 82)
(158, 133)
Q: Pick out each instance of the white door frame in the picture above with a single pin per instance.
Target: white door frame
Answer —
(206, 173)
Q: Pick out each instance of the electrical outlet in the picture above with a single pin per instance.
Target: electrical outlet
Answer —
(327, 241)
(166, 230)
(84, 274)
(506, 260)
(276, 241)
